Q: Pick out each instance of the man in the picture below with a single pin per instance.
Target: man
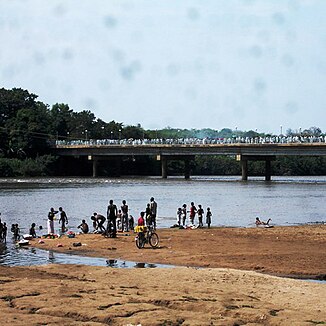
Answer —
(111, 214)
(83, 226)
(153, 207)
(125, 221)
(63, 219)
(100, 219)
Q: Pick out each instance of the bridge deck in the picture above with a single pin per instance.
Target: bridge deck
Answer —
(300, 149)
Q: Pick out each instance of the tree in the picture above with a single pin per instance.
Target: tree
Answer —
(61, 120)
(24, 122)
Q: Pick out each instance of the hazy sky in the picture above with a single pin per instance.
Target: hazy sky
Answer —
(180, 63)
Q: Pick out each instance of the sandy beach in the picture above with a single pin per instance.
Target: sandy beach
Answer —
(238, 283)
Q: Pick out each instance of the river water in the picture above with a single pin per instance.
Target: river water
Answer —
(286, 200)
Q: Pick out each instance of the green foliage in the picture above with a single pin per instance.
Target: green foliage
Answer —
(40, 166)
(5, 168)
(216, 165)
(27, 128)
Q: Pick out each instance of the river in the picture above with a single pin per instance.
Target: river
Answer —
(286, 200)
(234, 203)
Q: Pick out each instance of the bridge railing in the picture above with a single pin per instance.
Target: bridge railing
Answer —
(194, 141)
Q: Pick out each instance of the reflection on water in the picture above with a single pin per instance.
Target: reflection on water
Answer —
(10, 255)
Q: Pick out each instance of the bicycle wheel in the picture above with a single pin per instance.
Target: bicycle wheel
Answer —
(140, 242)
(154, 240)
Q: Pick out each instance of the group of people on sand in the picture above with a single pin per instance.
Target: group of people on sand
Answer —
(15, 230)
(193, 210)
(119, 219)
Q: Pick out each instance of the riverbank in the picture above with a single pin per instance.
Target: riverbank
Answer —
(296, 251)
(215, 295)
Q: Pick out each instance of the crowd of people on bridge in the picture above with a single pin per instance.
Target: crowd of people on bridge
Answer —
(196, 141)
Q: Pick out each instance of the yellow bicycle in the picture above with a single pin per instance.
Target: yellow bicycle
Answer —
(146, 235)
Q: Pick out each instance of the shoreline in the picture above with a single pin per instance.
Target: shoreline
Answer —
(214, 295)
(290, 251)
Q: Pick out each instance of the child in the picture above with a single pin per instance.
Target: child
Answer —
(179, 216)
(141, 221)
(208, 217)
(119, 220)
(131, 222)
(16, 232)
(184, 214)
(193, 211)
(32, 230)
(200, 213)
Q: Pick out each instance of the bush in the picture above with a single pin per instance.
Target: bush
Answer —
(40, 166)
(5, 168)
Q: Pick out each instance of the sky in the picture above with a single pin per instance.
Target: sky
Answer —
(239, 64)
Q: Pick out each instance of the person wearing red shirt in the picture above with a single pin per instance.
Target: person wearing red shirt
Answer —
(141, 221)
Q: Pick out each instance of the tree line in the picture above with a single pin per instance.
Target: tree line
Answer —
(28, 127)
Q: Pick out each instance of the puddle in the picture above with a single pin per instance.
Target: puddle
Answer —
(12, 256)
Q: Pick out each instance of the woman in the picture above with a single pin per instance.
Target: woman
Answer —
(51, 215)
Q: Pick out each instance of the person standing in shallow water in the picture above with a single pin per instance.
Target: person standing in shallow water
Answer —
(184, 214)
(200, 213)
(193, 211)
(51, 216)
(63, 219)
(153, 206)
(208, 217)
(125, 220)
(4, 232)
(112, 213)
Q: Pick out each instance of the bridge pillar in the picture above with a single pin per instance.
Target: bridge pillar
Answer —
(95, 172)
(268, 170)
(187, 168)
(244, 169)
(164, 166)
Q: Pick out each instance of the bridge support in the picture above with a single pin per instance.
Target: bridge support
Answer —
(164, 167)
(268, 170)
(95, 164)
(244, 165)
(187, 168)
(244, 169)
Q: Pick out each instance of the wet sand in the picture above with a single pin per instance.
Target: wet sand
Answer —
(229, 291)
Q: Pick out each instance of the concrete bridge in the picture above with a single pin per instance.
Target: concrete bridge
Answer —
(243, 152)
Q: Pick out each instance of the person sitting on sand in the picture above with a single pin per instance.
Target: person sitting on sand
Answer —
(83, 226)
(259, 222)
